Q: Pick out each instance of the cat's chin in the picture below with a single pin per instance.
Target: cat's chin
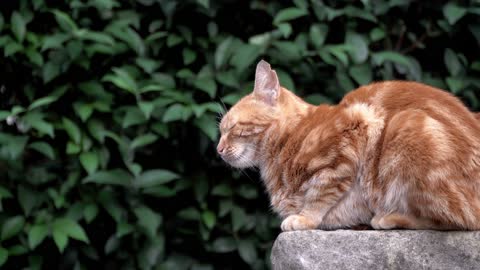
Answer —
(241, 165)
(239, 162)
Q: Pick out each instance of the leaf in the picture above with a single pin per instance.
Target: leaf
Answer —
(453, 12)
(74, 49)
(247, 250)
(83, 110)
(122, 79)
(209, 219)
(288, 50)
(224, 245)
(44, 148)
(318, 34)
(244, 56)
(455, 84)
(188, 56)
(133, 117)
(339, 51)
(37, 234)
(228, 78)
(42, 102)
(17, 250)
(71, 228)
(72, 129)
(189, 213)
(58, 199)
(4, 115)
(54, 41)
(27, 198)
(89, 161)
(173, 40)
(12, 146)
(5, 193)
(64, 21)
(96, 129)
(380, 58)
(173, 113)
(222, 190)
(344, 81)
(113, 177)
(72, 148)
(377, 34)
(204, 3)
(153, 178)
(147, 64)
(223, 52)
(239, 218)
(18, 26)
(358, 45)
(355, 12)
(12, 48)
(155, 36)
(265, 38)
(475, 30)
(112, 244)
(50, 71)
(3, 256)
(200, 188)
(36, 120)
(148, 219)
(60, 239)
(207, 125)
(452, 62)
(143, 140)
(207, 85)
(98, 37)
(288, 14)
(160, 191)
(134, 40)
(123, 229)
(362, 74)
(146, 107)
(153, 88)
(12, 226)
(90, 212)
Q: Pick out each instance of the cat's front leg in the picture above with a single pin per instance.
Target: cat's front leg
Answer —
(308, 219)
(318, 200)
(351, 212)
(297, 223)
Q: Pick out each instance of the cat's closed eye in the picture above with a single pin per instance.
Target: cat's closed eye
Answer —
(246, 131)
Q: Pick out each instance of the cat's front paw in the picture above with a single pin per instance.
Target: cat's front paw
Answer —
(297, 223)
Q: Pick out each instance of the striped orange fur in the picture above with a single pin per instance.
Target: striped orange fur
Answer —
(391, 154)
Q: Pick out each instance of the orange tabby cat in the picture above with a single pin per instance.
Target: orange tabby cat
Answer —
(391, 154)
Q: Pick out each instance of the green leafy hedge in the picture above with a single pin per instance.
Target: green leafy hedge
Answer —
(109, 114)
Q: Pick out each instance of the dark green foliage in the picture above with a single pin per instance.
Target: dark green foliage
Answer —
(109, 114)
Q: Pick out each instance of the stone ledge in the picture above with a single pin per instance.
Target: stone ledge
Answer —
(347, 249)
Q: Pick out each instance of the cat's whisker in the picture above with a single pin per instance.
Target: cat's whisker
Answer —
(249, 162)
(224, 106)
(223, 111)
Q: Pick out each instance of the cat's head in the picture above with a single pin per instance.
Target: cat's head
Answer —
(245, 123)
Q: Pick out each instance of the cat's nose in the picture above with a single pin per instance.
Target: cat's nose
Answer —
(220, 149)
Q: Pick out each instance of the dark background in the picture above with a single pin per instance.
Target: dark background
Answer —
(109, 112)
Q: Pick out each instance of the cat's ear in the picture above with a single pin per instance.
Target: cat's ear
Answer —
(267, 85)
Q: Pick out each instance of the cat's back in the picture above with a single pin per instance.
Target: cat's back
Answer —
(393, 97)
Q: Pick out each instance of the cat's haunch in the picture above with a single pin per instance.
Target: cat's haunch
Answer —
(391, 154)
